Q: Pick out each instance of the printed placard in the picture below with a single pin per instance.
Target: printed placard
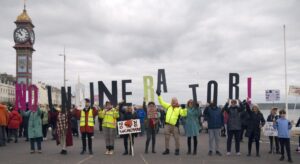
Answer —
(269, 129)
(129, 126)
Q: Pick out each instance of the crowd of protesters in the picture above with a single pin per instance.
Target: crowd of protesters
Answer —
(234, 120)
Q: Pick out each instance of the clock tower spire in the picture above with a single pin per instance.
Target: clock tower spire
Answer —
(24, 38)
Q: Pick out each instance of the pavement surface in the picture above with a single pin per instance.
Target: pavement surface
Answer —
(19, 153)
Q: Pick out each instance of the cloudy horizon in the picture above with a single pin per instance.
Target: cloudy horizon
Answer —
(194, 41)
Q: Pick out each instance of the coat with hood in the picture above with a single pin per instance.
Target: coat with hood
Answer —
(15, 120)
(34, 123)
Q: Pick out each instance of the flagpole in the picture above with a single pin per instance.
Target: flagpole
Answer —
(285, 74)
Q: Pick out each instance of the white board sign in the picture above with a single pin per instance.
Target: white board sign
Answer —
(129, 126)
(294, 90)
(272, 95)
(269, 129)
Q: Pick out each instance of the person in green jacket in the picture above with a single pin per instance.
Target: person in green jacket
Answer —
(192, 125)
(173, 112)
(34, 129)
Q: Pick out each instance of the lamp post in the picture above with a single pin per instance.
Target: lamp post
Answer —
(64, 55)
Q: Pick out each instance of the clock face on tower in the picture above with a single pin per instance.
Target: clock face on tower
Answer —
(21, 35)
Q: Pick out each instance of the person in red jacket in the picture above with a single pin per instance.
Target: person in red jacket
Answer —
(14, 123)
(87, 122)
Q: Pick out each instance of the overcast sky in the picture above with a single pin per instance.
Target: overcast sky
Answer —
(193, 40)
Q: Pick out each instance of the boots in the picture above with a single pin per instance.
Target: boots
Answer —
(177, 152)
(166, 152)
(195, 148)
(153, 146)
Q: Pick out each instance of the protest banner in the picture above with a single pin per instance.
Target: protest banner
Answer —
(269, 129)
(129, 126)
(273, 95)
(294, 90)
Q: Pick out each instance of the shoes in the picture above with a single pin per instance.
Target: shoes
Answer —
(166, 152)
(125, 153)
(238, 154)
(40, 151)
(107, 152)
(82, 152)
(32, 152)
(248, 155)
(177, 152)
(111, 152)
(91, 152)
(210, 153)
(63, 152)
(16, 141)
(281, 158)
(153, 151)
(228, 154)
(257, 155)
(218, 153)
(290, 160)
(270, 152)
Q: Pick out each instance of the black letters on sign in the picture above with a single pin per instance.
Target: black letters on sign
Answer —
(112, 97)
(161, 80)
(194, 86)
(215, 96)
(92, 93)
(66, 99)
(234, 85)
(124, 93)
(50, 98)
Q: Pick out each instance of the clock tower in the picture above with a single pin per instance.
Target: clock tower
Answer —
(24, 39)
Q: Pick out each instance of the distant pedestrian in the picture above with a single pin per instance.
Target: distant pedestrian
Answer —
(255, 121)
(283, 127)
(173, 113)
(214, 117)
(271, 118)
(35, 134)
(192, 125)
(4, 116)
(15, 120)
(234, 124)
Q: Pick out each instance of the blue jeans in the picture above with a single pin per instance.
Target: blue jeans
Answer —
(38, 141)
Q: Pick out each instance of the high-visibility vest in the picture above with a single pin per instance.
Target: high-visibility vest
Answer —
(109, 118)
(173, 113)
(90, 118)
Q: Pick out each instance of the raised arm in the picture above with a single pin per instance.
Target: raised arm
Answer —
(164, 104)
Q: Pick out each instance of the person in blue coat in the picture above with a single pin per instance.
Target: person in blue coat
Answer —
(192, 126)
(283, 127)
(215, 120)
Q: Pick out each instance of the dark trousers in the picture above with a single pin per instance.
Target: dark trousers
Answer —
(250, 141)
(21, 130)
(83, 138)
(125, 139)
(3, 135)
(271, 138)
(243, 130)
(100, 124)
(285, 143)
(35, 140)
(151, 134)
(45, 130)
(13, 133)
(189, 143)
(236, 134)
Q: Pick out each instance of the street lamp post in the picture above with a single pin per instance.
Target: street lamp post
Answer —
(64, 55)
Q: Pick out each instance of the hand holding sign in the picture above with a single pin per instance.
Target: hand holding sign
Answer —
(158, 92)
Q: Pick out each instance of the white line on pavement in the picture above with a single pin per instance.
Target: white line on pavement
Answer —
(143, 159)
(85, 159)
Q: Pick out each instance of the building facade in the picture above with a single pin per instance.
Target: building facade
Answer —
(7, 88)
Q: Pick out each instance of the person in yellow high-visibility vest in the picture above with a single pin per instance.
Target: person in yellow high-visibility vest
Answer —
(109, 123)
(87, 122)
(173, 112)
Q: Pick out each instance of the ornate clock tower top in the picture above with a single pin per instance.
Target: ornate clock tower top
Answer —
(24, 38)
